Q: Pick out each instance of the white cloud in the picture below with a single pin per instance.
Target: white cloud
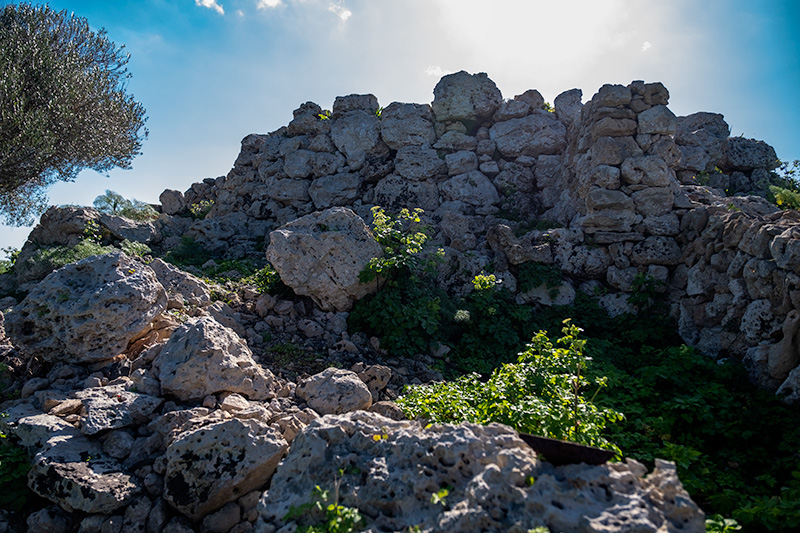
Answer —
(646, 46)
(340, 11)
(265, 4)
(437, 71)
(210, 4)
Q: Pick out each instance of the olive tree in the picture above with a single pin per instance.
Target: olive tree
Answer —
(63, 106)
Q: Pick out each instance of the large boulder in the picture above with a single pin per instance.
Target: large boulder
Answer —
(356, 134)
(407, 125)
(466, 98)
(204, 357)
(212, 465)
(537, 134)
(335, 391)
(89, 310)
(320, 256)
(495, 483)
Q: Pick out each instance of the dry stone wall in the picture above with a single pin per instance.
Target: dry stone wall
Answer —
(635, 189)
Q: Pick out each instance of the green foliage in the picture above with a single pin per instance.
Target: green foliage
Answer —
(267, 281)
(133, 248)
(402, 238)
(784, 188)
(532, 275)
(541, 394)
(63, 106)
(548, 107)
(114, 203)
(328, 517)
(200, 209)
(325, 115)
(7, 265)
(14, 467)
(188, 253)
(719, 524)
(55, 257)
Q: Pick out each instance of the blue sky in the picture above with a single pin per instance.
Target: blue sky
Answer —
(210, 72)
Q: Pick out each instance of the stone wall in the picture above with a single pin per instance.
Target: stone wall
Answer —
(635, 188)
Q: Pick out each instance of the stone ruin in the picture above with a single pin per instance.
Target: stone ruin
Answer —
(158, 408)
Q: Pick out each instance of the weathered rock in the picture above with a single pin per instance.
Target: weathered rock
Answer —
(355, 134)
(334, 391)
(182, 287)
(656, 251)
(407, 125)
(203, 357)
(114, 407)
(355, 102)
(485, 467)
(320, 256)
(418, 163)
(747, 154)
(533, 135)
(471, 188)
(215, 464)
(466, 98)
(339, 189)
(461, 162)
(89, 310)
(657, 120)
(649, 170)
(398, 193)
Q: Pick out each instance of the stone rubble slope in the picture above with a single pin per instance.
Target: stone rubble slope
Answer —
(390, 469)
(134, 373)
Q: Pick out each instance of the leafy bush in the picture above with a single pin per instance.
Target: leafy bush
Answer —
(402, 238)
(328, 517)
(7, 265)
(784, 190)
(14, 467)
(541, 394)
(133, 248)
(200, 209)
(188, 253)
(57, 256)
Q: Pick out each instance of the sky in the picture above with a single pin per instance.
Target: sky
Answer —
(210, 72)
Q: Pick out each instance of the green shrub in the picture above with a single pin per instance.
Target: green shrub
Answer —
(7, 265)
(541, 394)
(57, 256)
(14, 467)
(200, 209)
(133, 248)
(188, 253)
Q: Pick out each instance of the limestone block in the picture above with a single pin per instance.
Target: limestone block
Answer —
(89, 310)
(568, 106)
(321, 255)
(354, 102)
(537, 134)
(648, 170)
(656, 250)
(785, 249)
(114, 407)
(461, 162)
(514, 109)
(471, 188)
(401, 464)
(759, 322)
(376, 377)
(613, 127)
(326, 164)
(658, 120)
(612, 96)
(287, 190)
(466, 98)
(407, 125)
(613, 150)
(514, 179)
(203, 357)
(600, 199)
(747, 154)
(501, 239)
(653, 201)
(355, 134)
(418, 163)
(334, 190)
(192, 290)
(212, 465)
(334, 391)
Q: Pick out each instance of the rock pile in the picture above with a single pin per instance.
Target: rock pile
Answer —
(153, 406)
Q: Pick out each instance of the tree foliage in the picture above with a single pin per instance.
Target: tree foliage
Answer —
(63, 106)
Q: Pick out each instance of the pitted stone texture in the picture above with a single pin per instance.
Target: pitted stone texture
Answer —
(538, 134)
(338, 189)
(334, 391)
(88, 311)
(657, 120)
(320, 255)
(355, 134)
(216, 464)
(418, 163)
(466, 98)
(407, 125)
(203, 357)
(748, 154)
(181, 286)
(471, 188)
(114, 407)
(486, 468)
(396, 192)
